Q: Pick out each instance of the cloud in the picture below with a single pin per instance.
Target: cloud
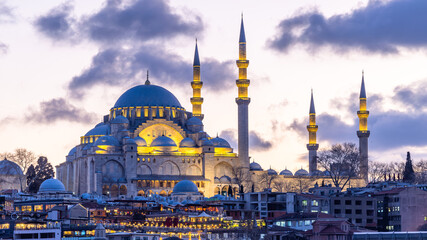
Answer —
(380, 27)
(59, 109)
(6, 13)
(57, 24)
(118, 66)
(3, 48)
(412, 96)
(256, 143)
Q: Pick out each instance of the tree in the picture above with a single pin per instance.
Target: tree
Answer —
(421, 172)
(23, 157)
(408, 173)
(303, 184)
(266, 179)
(377, 170)
(241, 177)
(341, 161)
(42, 171)
(284, 186)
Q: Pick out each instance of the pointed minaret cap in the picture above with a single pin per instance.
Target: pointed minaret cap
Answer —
(147, 82)
(242, 38)
(312, 110)
(362, 88)
(196, 56)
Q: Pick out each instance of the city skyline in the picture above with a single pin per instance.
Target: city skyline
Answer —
(63, 66)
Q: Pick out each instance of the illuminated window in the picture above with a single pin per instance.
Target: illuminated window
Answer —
(304, 203)
(27, 208)
(153, 112)
(173, 113)
(314, 203)
(148, 159)
(183, 160)
(143, 159)
(161, 111)
(38, 208)
(145, 112)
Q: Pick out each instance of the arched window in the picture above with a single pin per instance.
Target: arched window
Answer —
(114, 192)
(123, 190)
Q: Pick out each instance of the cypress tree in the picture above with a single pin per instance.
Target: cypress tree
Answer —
(408, 173)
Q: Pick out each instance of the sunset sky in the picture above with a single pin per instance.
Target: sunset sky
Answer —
(64, 64)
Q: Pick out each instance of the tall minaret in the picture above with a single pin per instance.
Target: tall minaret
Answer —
(363, 132)
(312, 145)
(197, 85)
(243, 100)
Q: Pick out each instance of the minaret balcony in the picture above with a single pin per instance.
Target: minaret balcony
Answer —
(196, 100)
(363, 114)
(242, 63)
(312, 128)
(196, 85)
(243, 82)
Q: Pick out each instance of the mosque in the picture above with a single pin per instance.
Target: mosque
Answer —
(148, 143)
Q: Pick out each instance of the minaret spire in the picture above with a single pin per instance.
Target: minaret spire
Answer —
(243, 100)
(312, 145)
(197, 85)
(147, 82)
(363, 132)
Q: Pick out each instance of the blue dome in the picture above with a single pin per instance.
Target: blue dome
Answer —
(140, 141)
(52, 185)
(317, 173)
(147, 95)
(100, 129)
(220, 142)
(194, 121)
(206, 142)
(187, 142)
(107, 140)
(286, 172)
(301, 172)
(255, 167)
(9, 168)
(119, 120)
(88, 146)
(163, 141)
(271, 172)
(185, 186)
(72, 151)
(130, 141)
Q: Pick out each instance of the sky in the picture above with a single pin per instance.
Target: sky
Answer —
(63, 64)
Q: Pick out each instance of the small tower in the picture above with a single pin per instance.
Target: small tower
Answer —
(243, 100)
(363, 132)
(197, 85)
(312, 145)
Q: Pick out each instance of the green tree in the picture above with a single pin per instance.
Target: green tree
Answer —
(42, 171)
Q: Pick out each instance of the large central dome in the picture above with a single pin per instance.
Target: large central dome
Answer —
(147, 95)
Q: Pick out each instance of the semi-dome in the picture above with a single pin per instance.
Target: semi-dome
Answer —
(187, 142)
(301, 172)
(51, 185)
(163, 141)
(9, 168)
(255, 167)
(185, 186)
(140, 141)
(107, 140)
(286, 172)
(72, 151)
(130, 141)
(194, 121)
(220, 142)
(271, 172)
(120, 120)
(206, 142)
(99, 129)
(147, 95)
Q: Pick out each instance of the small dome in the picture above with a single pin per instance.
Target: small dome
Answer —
(130, 141)
(194, 121)
(119, 120)
(9, 168)
(187, 142)
(51, 185)
(317, 173)
(87, 146)
(220, 142)
(286, 172)
(225, 179)
(326, 173)
(255, 167)
(271, 172)
(147, 95)
(99, 129)
(185, 186)
(140, 141)
(301, 172)
(107, 140)
(72, 151)
(163, 141)
(206, 142)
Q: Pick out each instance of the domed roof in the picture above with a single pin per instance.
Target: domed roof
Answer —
(185, 186)
(147, 95)
(206, 142)
(225, 179)
(107, 140)
(100, 129)
(220, 142)
(9, 168)
(140, 141)
(72, 151)
(130, 141)
(271, 172)
(194, 121)
(317, 173)
(286, 172)
(255, 167)
(187, 142)
(301, 172)
(163, 141)
(52, 185)
(87, 146)
(119, 120)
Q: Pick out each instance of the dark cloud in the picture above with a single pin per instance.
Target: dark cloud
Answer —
(256, 143)
(59, 109)
(118, 67)
(57, 24)
(412, 96)
(6, 13)
(380, 27)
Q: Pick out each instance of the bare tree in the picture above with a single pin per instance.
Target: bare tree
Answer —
(377, 170)
(284, 186)
(421, 171)
(341, 161)
(266, 179)
(21, 156)
(303, 184)
(241, 177)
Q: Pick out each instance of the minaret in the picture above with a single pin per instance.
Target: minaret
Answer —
(243, 100)
(363, 132)
(312, 145)
(197, 85)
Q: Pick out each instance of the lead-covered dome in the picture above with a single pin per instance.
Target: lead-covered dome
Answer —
(185, 186)
(271, 172)
(120, 120)
(147, 95)
(255, 167)
(286, 172)
(51, 186)
(107, 141)
(187, 142)
(163, 141)
(301, 172)
(140, 141)
(99, 129)
(220, 142)
(9, 168)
